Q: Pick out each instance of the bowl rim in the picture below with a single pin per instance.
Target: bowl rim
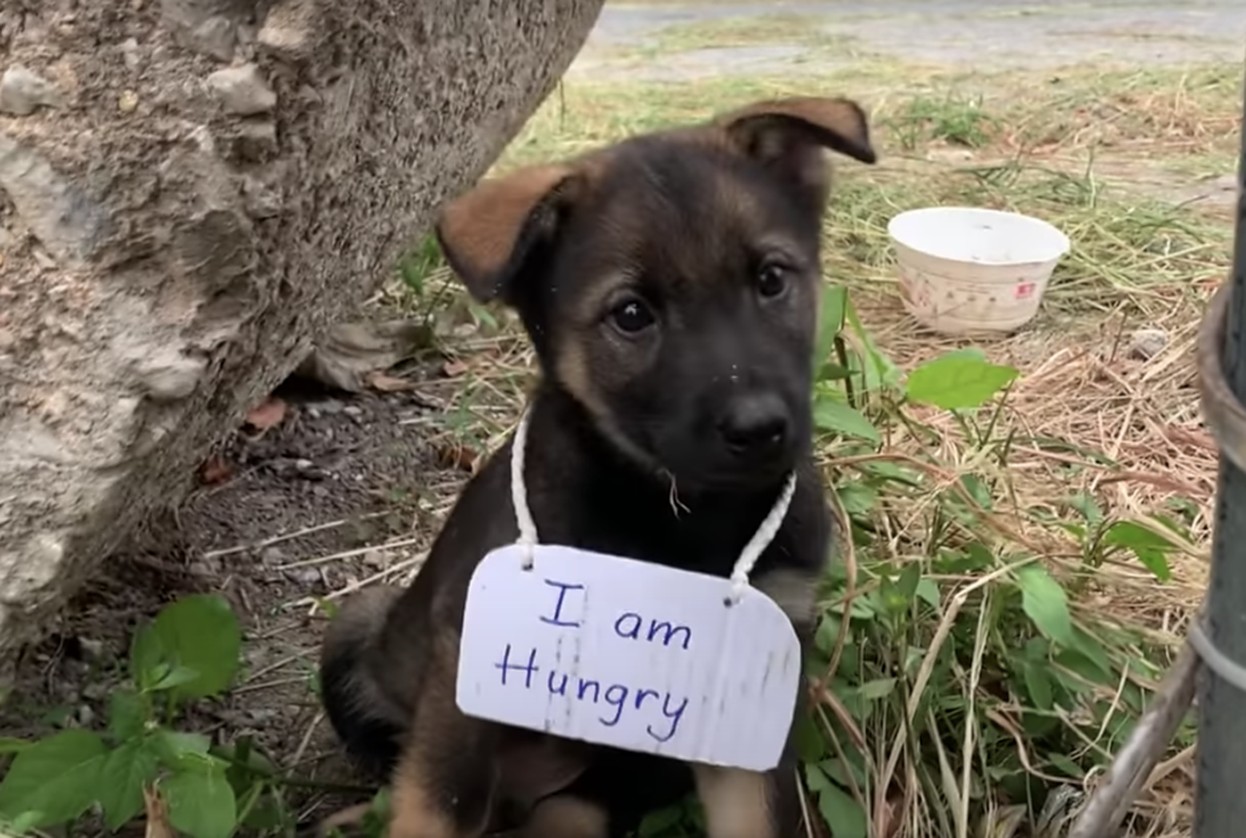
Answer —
(1066, 244)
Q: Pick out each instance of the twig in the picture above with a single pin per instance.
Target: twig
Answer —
(1133, 764)
(348, 554)
(413, 562)
(277, 539)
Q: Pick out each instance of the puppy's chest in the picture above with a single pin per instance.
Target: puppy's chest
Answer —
(704, 543)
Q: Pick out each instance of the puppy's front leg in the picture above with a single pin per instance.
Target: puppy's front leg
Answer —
(752, 804)
(749, 804)
(444, 782)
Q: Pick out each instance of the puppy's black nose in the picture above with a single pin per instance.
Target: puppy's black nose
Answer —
(755, 424)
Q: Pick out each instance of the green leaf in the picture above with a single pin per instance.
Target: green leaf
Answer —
(978, 490)
(828, 632)
(876, 689)
(1150, 547)
(808, 739)
(186, 752)
(830, 321)
(10, 745)
(201, 803)
(172, 744)
(1091, 648)
(198, 639)
(897, 594)
(174, 677)
(928, 590)
(126, 715)
(661, 821)
(836, 417)
(880, 371)
(125, 773)
(1045, 602)
(1068, 766)
(844, 772)
(857, 497)
(839, 810)
(1088, 507)
(23, 823)
(958, 380)
(57, 778)
(1038, 685)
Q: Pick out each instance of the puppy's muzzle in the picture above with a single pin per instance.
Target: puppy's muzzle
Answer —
(755, 427)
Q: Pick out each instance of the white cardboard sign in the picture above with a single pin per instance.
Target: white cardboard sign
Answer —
(629, 654)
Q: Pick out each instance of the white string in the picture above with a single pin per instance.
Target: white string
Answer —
(740, 571)
(761, 540)
(519, 493)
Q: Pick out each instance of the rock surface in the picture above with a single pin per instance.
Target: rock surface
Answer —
(167, 253)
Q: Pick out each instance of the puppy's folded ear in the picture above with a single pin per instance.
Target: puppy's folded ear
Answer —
(788, 135)
(490, 232)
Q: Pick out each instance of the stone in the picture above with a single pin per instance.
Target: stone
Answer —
(287, 33)
(23, 91)
(173, 379)
(60, 215)
(217, 36)
(135, 248)
(242, 90)
(1145, 344)
(130, 53)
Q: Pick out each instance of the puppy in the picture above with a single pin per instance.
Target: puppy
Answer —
(669, 285)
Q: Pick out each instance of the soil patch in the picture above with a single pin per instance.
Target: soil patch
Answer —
(333, 495)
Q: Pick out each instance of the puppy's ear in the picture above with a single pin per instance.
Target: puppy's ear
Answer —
(788, 135)
(488, 233)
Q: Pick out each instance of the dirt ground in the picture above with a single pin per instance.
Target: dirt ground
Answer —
(332, 496)
(347, 490)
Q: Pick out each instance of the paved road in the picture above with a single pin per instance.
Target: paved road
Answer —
(998, 34)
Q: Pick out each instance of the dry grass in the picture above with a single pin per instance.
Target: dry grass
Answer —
(786, 29)
(1103, 155)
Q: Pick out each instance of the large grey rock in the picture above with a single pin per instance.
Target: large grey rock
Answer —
(165, 260)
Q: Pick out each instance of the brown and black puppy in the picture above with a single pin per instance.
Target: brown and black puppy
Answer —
(670, 287)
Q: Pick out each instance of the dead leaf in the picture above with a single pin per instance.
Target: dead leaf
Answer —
(215, 470)
(457, 456)
(453, 369)
(157, 815)
(386, 383)
(267, 414)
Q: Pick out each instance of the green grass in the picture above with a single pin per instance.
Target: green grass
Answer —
(1130, 249)
(956, 698)
(781, 29)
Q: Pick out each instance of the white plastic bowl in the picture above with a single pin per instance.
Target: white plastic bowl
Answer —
(965, 270)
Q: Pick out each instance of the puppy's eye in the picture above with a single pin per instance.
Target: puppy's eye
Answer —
(632, 316)
(772, 280)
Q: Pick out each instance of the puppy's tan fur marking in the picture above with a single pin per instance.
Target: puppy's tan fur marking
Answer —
(736, 802)
(841, 120)
(563, 816)
(414, 813)
(485, 224)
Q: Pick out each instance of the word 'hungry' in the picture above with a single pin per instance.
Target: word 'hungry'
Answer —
(665, 711)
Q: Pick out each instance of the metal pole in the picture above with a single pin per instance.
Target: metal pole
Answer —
(1221, 796)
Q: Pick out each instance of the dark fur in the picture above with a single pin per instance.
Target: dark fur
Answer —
(627, 454)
